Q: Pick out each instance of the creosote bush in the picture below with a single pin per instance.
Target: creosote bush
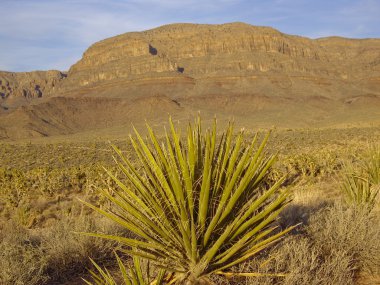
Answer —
(197, 204)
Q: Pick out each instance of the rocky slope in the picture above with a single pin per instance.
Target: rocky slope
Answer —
(254, 73)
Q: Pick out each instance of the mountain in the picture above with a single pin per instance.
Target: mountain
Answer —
(257, 75)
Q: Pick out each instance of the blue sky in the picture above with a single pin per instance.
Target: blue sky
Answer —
(53, 34)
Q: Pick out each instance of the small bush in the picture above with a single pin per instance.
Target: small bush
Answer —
(22, 260)
(350, 230)
(335, 247)
(54, 253)
(302, 263)
(67, 252)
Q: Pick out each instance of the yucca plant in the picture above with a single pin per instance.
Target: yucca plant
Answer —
(197, 204)
(361, 182)
(358, 190)
(371, 164)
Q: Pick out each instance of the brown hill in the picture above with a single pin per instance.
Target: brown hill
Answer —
(258, 75)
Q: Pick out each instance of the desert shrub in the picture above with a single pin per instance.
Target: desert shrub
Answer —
(337, 245)
(22, 260)
(302, 262)
(13, 186)
(55, 253)
(310, 166)
(197, 205)
(351, 230)
(67, 251)
(32, 197)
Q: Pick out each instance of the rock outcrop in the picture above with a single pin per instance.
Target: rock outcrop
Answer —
(232, 51)
(29, 84)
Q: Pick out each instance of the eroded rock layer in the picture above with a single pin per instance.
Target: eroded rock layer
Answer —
(230, 51)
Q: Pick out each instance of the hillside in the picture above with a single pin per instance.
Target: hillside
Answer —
(257, 75)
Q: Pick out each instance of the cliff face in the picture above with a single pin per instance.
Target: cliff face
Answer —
(237, 49)
(29, 84)
(256, 73)
(119, 58)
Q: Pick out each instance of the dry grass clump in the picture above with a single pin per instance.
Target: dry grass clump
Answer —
(335, 247)
(302, 263)
(52, 254)
(67, 252)
(22, 259)
(351, 230)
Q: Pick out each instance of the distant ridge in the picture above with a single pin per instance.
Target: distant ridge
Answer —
(258, 75)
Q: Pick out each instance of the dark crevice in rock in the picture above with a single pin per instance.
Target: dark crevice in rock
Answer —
(176, 102)
(152, 50)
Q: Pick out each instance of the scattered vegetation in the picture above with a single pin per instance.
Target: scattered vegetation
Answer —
(40, 184)
(334, 247)
(54, 253)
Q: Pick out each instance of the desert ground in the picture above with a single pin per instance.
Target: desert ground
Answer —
(41, 182)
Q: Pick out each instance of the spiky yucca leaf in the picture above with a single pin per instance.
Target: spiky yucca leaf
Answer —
(371, 164)
(361, 183)
(196, 203)
(359, 191)
(136, 275)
